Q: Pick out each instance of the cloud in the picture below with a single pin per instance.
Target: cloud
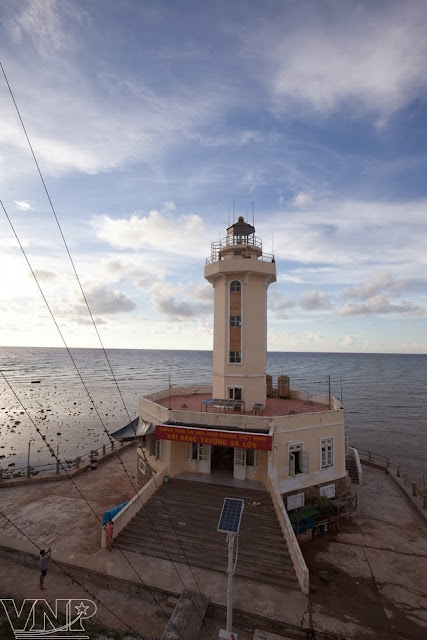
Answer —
(345, 233)
(171, 233)
(308, 301)
(45, 275)
(379, 282)
(204, 292)
(314, 300)
(105, 301)
(279, 302)
(380, 304)
(176, 303)
(363, 58)
(23, 205)
(302, 199)
(168, 206)
(44, 21)
(180, 310)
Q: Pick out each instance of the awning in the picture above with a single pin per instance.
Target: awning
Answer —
(214, 437)
(134, 429)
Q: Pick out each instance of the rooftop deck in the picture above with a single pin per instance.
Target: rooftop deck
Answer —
(272, 407)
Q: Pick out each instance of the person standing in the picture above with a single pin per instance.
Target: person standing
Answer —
(109, 529)
(44, 556)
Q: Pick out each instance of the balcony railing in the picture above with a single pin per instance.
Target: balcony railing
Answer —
(239, 242)
(264, 257)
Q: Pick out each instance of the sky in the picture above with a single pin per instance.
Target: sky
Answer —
(156, 123)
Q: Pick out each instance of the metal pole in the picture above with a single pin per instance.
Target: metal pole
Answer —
(230, 583)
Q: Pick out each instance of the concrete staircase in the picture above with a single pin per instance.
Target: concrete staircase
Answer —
(179, 523)
(350, 466)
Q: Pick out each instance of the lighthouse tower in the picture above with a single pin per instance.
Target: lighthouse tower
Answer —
(240, 273)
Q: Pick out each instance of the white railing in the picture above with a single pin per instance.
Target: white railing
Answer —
(355, 455)
(298, 561)
(126, 514)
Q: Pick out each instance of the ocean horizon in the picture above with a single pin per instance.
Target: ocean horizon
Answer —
(383, 396)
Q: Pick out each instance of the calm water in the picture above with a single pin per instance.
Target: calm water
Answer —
(384, 396)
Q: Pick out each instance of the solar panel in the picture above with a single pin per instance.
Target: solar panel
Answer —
(231, 515)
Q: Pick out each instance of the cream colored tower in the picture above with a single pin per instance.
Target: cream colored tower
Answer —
(240, 273)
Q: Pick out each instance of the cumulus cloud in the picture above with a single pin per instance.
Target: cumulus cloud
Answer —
(204, 292)
(314, 300)
(308, 301)
(279, 302)
(23, 205)
(181, 303)
(45, 275)
(371, 58)
(105, 301)
(172, 233)
(378, 282)
(349, 232)
(302, 199)
(178, 310)
(380, 304)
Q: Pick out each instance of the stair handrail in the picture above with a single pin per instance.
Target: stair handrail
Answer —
(135, 504)
(353, 452)
(291, 541)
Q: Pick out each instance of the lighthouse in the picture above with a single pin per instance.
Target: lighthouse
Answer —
(240, 273)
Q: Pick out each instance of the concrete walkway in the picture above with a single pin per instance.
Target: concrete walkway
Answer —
(376, 563)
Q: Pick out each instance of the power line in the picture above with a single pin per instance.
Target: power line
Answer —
(79, 491)
(101, 421)
(80, 584)
(89, 311)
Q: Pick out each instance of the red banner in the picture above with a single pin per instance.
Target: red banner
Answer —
(238, 439)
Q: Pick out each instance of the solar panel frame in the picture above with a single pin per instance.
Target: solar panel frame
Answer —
(231, 515)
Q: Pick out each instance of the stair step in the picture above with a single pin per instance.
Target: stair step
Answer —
(179, 524)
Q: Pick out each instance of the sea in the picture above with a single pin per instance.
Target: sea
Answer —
(68, 401)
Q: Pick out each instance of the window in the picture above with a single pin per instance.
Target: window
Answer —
(252, 458)
(142, 466)
(327, 453)
(295, 502)
(235, 321)
(235, 393)
(204, 452)
(235, 356)
(235, 286)
(328, 491)
(151, 442)
(295, 459)
(158, 449)
(198, 451)
(192, 450)
(240, 457)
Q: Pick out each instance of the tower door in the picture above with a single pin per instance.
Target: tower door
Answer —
(239, 464)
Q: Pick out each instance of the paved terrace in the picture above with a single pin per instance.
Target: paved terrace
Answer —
(273, 407)
(377, 563)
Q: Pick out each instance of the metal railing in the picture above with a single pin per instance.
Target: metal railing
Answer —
(55, 468)
(264, 257)
(374, 458)
(384, 462)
